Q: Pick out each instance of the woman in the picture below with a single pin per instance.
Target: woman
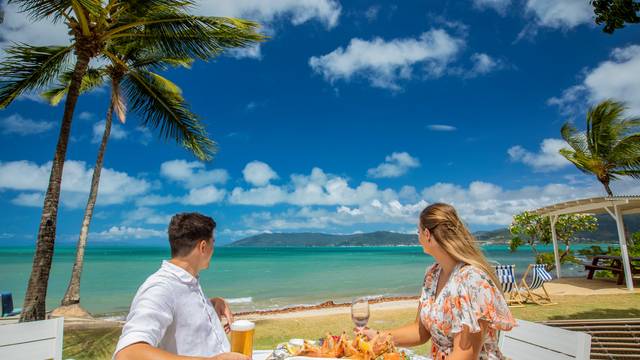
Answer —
(461, 308)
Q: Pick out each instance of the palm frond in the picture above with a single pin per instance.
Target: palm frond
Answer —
(573, 137)
(164, 109)
(627, 150)
(29, 67)
(42, 9)
(94, 78)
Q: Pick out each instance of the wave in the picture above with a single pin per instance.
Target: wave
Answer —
(243, 300)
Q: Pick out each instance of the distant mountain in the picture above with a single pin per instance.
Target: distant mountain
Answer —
(607, 233)
(379, 238)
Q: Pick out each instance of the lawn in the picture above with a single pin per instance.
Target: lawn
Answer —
(100, 343)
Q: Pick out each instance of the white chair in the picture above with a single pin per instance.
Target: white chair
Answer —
(36, 340)
(531, 341)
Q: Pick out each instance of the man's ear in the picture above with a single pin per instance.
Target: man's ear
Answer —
(202, 246)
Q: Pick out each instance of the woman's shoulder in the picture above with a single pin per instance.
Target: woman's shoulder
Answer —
(472, 276)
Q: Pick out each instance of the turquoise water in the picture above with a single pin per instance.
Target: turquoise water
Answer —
(261, 278)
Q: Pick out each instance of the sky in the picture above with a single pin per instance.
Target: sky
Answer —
(352, 117)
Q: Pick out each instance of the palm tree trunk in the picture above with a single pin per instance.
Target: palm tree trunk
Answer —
(607, 188)
(34, 307)
(72, 296)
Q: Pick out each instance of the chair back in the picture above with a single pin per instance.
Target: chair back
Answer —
(531, 341)
(34, 340)
(7, 303)
(540, 275)
(506, 276)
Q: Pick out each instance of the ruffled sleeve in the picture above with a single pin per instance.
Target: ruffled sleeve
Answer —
(474, 297)
(427, 283)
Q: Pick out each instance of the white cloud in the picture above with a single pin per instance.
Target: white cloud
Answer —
(127, 233)
(499, 6)
(251, 52)
(297, 11)
(262, 196)
(394, 165)
(155, 200)
(204, 196)
(482, 64)
(441, 127)
(560, 14)
(258, 173)
(117, 132)
(192, 174)
(16, 124)
(86, 115)
(29, 199)
(617, 78)
(547, 159)
(17, 27)
(145, 215)
(384, 63)
(25, 176)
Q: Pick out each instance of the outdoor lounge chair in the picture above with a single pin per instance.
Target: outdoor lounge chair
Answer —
(531, 341)
(32, 340)
(539, 276)
(507, 277)
(7, 305)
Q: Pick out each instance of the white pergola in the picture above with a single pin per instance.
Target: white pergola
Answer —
(616, 206)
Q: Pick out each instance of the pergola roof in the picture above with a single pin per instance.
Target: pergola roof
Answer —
(628, 204)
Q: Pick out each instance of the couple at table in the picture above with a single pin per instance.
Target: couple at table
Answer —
(461, 308)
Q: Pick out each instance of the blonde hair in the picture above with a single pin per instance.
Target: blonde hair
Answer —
(453, 236)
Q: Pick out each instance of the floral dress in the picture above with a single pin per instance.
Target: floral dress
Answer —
(468, 297)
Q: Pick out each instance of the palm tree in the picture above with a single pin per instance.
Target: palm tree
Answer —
(93, 26)
(610, 147)
(162, 98)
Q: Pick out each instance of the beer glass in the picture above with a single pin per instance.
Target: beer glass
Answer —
(360, 313)
(242, 337)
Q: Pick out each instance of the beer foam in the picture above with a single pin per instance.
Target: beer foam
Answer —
(242, 325)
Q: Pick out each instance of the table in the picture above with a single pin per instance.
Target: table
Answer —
(613, 264)
(261, 354)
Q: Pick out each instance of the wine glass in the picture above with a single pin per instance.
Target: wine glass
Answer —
(360, 313)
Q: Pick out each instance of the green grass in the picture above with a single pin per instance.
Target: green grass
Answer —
(100, 343)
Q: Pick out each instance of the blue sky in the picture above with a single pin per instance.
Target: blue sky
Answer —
(352, 117)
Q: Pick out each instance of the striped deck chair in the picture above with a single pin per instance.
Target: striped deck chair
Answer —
(507, 277)
(539, 276)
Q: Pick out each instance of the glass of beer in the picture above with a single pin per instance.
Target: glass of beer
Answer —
(242, 337)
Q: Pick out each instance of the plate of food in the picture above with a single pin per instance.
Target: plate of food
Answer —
(381, 347)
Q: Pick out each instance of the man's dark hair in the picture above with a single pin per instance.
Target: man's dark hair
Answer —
(186, 230)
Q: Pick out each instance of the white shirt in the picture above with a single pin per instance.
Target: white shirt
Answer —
(170, 312)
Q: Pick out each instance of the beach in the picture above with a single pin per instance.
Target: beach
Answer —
(251, 279)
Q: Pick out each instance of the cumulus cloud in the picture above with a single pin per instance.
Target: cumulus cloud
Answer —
(145, 215)
(296, 11)
(29, 199)
(394, 165)
(192, 174)
(617, 78)
(384, 63)
(560, 14)
(117, 132)
(204, 196)
(127, 233)
(482, 64)
(499, 6)
(372, 12)
(16, 124)
(32, 179)
(441, 127)
(258, 173)
(18, 27)
(546, 159)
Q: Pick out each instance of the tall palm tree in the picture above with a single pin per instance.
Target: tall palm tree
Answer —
(609, 148)
(93, 25)
(134, 70)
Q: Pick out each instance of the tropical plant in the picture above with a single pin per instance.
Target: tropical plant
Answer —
(610, 147)
(159, 103)
(534, 229)
(615, 13)
(93, 26)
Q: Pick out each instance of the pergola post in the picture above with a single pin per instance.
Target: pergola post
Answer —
(553, 219)
(622, 237)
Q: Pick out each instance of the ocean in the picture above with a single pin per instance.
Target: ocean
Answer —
(250, 278)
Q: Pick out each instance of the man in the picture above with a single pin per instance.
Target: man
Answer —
(170, 317)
